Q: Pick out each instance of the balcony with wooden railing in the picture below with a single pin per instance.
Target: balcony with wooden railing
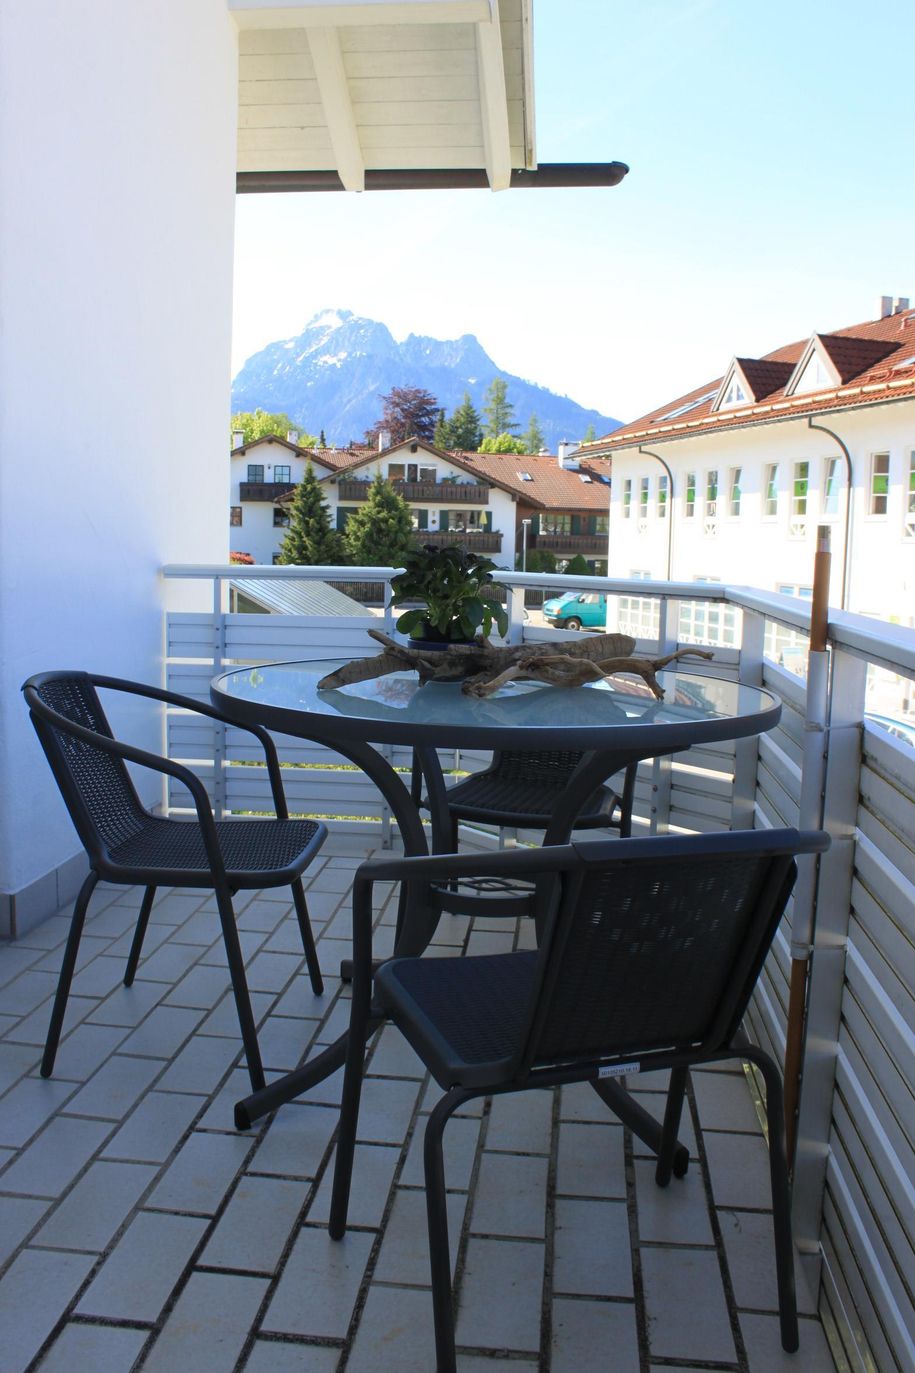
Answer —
(441, 493)
(570, 543)
(264, 491)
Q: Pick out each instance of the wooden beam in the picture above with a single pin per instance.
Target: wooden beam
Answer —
(290, 14)
(494, 101)
(338, 108)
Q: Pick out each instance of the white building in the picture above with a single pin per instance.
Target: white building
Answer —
(261, 472)
(730, 482)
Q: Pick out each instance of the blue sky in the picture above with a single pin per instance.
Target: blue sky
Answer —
(770, 194)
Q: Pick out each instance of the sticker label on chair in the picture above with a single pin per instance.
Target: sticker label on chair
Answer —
(618, 1070)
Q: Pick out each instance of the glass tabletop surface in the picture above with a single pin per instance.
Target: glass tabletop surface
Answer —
(401, 698)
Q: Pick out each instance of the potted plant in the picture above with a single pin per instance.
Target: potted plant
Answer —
(453, 585)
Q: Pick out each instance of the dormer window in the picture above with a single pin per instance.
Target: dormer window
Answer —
(734, 395)
(815, 376)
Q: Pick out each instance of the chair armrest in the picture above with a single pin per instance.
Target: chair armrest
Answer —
(173, 698)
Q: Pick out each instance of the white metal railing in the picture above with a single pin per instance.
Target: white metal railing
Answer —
(854, 1205)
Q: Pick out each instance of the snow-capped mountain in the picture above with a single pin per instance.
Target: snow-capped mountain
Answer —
(330, 377)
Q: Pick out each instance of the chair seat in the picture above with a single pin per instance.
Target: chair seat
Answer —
(466, 1017)
(523, 801)
(257, 853)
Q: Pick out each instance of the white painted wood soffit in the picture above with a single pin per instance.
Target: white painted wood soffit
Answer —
(361, 85)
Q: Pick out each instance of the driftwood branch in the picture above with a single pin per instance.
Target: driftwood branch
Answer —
(486, 668)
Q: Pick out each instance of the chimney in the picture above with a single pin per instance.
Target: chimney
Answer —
(899, 304)
(886, 306)
(544, 453)
(238, 439)
(384, 439)
(292, 436)
(564, 453)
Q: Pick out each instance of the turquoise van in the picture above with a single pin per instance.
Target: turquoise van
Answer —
(577, 610)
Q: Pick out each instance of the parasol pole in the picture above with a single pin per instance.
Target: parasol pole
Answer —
(813, 775)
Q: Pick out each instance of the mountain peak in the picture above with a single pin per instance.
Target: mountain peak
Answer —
(331, 376)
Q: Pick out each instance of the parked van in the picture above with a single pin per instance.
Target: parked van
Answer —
(577, 610)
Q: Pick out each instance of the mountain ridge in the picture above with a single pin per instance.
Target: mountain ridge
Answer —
(330, 377)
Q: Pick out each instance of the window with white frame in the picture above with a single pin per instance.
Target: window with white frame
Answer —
(663, 493)
(831, 487)
(644, 489)
(627, 498)
(734, 491)
(689, 499)
(711, 494)
(910, 500)
(734, 395)
(552, 522)
(770, 503)
(800, 491)
(785, 646)
(879, 484)
(282, 472)
(601, 524)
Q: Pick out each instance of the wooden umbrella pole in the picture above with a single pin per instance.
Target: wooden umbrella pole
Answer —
(810, 817)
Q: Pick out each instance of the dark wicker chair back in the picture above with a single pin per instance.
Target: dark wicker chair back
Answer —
(95, 785)
(657, 955)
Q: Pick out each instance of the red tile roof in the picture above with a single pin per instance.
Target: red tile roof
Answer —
(551, 487)
(875, 361)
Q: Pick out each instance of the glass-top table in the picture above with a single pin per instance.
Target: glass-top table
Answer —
(613, 723)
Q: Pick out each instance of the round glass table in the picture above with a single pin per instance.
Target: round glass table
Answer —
(613, 723)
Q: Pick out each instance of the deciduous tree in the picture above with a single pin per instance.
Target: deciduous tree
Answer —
(258, 424)
(380, 532)
(503, 443)
(408, 412)
(311, 540)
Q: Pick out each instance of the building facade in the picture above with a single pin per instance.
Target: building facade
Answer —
(731, 481)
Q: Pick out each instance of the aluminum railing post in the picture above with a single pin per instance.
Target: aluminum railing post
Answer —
(746, 752)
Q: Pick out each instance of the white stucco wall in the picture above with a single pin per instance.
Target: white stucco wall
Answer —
(758, 550)
(257, 533)
(117, 142)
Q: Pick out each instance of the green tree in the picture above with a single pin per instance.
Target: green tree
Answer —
(464, 428)
(322, 441)
(590, 434)
(311, 540)
(577, 567)
(538, 560)
(380, 532)
(503, 443)
(258, 424)
(499, 411)
(442, 436)
(533, 436)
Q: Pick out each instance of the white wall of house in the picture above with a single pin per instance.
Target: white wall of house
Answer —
(257, 534)
(118, 153)
(777, 551)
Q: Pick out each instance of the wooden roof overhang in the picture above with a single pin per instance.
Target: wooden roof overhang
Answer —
(391, 95)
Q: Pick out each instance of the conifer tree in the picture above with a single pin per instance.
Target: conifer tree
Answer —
(442, 436)
(533, 436)
(465, 430)
(499, 411)
(589, 435)
(380, 532)
(310, 540)
(322, 441)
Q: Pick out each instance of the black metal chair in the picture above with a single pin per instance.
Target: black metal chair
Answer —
(129, 846)
(521, 789)
(650, 952)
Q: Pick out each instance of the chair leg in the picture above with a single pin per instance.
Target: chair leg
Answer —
(437, 1218)
(308, 939)
(349, 1119)
(240, 988)
(139, 934)
(669, 1161)
(781, 1199)
(77, 921)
